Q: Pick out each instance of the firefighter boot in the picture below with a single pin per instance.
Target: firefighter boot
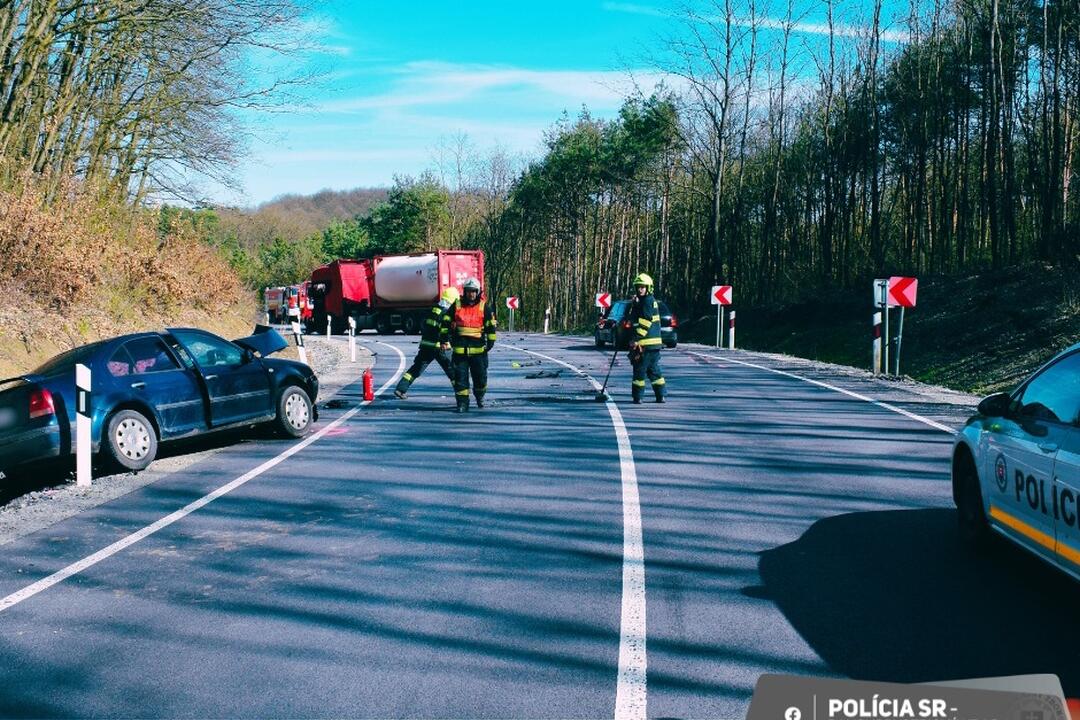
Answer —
(402, 390)
(479, 398)
(637, 389)
(463, 402)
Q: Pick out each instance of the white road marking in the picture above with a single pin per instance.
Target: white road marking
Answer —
(90, 560)
(631, 690)
(919, 418)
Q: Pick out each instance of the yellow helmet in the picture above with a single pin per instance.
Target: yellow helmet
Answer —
(644, 279)
(449, 295)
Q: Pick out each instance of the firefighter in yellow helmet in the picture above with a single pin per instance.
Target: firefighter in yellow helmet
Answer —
(434, 343)
(472, 335)
(645, 341)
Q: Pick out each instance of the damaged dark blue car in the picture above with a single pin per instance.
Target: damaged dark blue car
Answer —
(154, 387)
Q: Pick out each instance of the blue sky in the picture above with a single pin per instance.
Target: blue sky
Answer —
(397, 78)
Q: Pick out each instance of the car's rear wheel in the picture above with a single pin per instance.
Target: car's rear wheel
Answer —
(131, 441)
(670, 345)
(382, 325)
(971, 517)
(294, 413)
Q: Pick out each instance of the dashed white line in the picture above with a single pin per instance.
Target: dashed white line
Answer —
(631, 690)
(90, 560)
(914, 416)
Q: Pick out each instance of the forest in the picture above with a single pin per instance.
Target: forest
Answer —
(765, 148)
(782, 158)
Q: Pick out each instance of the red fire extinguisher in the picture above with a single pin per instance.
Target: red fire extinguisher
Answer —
(369, 386)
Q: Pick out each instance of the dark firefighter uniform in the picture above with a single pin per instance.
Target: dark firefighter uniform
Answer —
(645, 331)
(434, 334)
(472, 334)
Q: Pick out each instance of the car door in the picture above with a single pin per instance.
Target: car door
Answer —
(150, 371)
(616, 317)
(1022, 451)
(236, 383)
(1067, 483)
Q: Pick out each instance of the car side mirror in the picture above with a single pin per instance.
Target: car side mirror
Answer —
(996, 405)
(248, 356)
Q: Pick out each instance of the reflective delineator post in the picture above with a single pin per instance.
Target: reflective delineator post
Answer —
(352, 337)
(876, 364)
(547, 320)
(83, 449)
(731, 332)
(299, 342)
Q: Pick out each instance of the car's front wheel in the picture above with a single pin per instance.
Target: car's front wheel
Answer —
(131, 441)
(294, 413)
(971, 517)
(600, 343)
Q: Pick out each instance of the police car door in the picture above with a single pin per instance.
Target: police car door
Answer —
(1023, 448)
(1067, 465)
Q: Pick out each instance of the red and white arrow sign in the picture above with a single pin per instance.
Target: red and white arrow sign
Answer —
(721, 295)
(513, 303)
(603, 300)
(902, 291)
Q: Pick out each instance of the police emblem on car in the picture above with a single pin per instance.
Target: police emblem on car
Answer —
(1001, 474)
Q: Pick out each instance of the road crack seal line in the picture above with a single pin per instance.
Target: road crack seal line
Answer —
(887, 406)
(630, 694)
(90, 560)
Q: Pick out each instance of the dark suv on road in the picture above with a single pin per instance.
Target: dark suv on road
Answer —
(614, 327)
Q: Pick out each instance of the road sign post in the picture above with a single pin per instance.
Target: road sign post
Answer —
(83, 386)
(720, 296)
(899, 340)
(902, 294)
(512, 303)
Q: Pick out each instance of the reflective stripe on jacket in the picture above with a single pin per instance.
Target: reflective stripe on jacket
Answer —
(645, 322)
(434, 330)
(472, 327)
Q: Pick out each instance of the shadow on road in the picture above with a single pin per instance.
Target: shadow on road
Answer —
(55, 473)
(894, 596)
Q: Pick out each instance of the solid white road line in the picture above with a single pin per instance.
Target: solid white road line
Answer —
(925, 420)
(630, 693)
(90, 560)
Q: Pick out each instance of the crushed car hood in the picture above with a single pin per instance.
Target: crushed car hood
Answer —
(264, 341)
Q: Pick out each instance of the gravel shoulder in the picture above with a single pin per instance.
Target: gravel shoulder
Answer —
(57, 499)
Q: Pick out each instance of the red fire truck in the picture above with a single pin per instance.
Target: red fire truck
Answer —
(389, 292)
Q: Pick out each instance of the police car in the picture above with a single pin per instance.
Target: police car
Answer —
(1016, 465)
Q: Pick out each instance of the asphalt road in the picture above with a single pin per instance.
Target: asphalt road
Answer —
(412, 562)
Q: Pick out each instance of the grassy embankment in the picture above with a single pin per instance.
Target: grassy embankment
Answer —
(978, 333)
(81, 268)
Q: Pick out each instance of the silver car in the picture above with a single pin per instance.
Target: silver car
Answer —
(1016, 465)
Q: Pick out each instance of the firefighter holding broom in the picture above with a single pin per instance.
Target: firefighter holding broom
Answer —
(434, 343)
(645, 340)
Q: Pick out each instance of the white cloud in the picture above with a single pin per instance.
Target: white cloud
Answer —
(420, 84)
(634, 9)
(800, 27)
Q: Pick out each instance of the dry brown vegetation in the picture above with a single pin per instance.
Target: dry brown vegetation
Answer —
(80, 267)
